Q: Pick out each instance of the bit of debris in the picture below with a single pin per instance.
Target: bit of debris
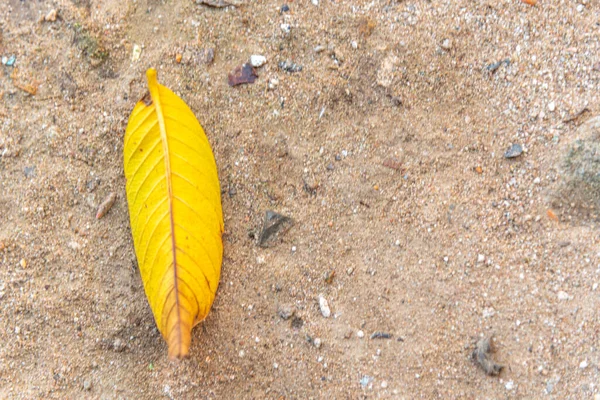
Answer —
(51, 16)
(324, 306)
(575, 116)
(494, 66)
(205, 56)
(513, 151)
(244, 73)
(530, 2)
(381, 335)
(481, 355)
(290, 67)
(136, 52)
(217, 3)
(274, 225)
(106, 205)
(329, 277)
(446, 44)
(392, 163)
(178, 58)
(297, 322)
(552, 215)
(284, 8)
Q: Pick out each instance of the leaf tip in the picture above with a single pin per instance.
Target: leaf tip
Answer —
(151, 75)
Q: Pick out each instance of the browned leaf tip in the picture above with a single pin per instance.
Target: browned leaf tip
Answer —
(244, 73)
(106, 205)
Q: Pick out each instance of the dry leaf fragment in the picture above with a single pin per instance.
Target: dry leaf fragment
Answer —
(106, 205)
(174, 200)
(244, 73)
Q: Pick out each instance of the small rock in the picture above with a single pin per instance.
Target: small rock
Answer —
(285, 311)
(23, 263)
(580, 7)
(514, 151)
(354, 44)
(551, 106)
(317, 343)
(384, 384)
(446, 44)
(315, 2)
(4, 60)
(480, 258)
(118, 345)
(583, 364)
(324, 306)
(563, 296)
(284, 8)
(286, 28)
(273, 83)
(51, 16)
(320, 48)
(510, 385)
(87, 384)
(488, 312)
(360, 334)
(257, 60)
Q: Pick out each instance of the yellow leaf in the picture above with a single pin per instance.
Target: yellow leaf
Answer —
(175, 212)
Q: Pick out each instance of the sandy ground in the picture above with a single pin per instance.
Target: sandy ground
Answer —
(387, 150)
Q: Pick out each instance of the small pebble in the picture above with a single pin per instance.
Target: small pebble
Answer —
(324, 306)
(514, 151)
(551, 106)
(87, 384)
(275, 365)
(365, 380)
(315, 2)
(273, 83)
(285, 311)
(23, 263)
(360, 334)
(286, 28)
(480, 258)
(317, 343)
(583, 364)
(595, 286)
(319, 48)
(510, 385)
(284, 8)
(118, 345)
(580, 7)
(257, 60)
(563, 295)
(397, 243)
(4, 60)
(294, 249)
(446, 44)
(384, 384)
(354, 44)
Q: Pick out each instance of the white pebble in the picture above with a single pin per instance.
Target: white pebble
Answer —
(257, 60)
(397, 243)
(537, 180)
(294, 249)
(286, 28)
(315, 2)
(136, 52)
(384, 384)
(360, 334)
(510, 385)
(488, 312)
(595, 286)
(273, 83)
(354, 44)
(580, 7)
(324, 306)
(317, 343)
(275, 365)
(480, 258)
(563, 295)
(551, 106)
(446, 44)
(583, 364)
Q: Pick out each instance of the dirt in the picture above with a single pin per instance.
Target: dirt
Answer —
(386, 149)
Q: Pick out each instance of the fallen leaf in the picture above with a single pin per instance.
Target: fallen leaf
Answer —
(175, 211)
(244, 73)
